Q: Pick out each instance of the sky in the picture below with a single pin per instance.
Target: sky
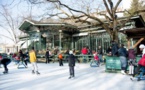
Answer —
(19, 8)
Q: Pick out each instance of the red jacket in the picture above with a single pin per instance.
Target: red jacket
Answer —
(142, 61)
(96, 57)
(84, 51)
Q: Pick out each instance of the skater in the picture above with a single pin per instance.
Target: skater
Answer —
(141, 62)
(123, 54)
(22, 58)
(96, 60)
(84, 53)
(5, 61)
(100, 54)
(33, 61)
(132, 60)
(71, 62)
(47, 56)
(60, 58)
(0, 59)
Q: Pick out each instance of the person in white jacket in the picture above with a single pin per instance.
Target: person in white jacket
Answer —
(142, 48)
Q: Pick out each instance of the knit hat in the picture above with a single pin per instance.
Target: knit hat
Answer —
(70, 52)
(141, 46)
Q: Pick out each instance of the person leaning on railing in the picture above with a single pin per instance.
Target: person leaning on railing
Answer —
(123, 54)
(84, 52)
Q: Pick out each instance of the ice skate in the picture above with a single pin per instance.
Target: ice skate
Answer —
(5, 72)
(123, 72)
(69, 77)
(37, 73)
(33, 72)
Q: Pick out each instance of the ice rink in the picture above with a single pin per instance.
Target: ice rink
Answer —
(54, 77)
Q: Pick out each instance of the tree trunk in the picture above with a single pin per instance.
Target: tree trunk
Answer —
(114, 36)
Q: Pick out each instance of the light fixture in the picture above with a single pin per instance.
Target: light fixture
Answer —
(60, 31)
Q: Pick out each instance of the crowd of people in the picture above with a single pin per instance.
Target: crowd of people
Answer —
(127, 58)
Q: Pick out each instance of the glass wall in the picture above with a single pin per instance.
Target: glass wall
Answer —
(94, 40)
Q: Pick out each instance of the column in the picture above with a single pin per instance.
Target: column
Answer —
(72, 42)
(39, 40)
(60, 47)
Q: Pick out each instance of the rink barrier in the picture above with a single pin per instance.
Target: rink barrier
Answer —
(54, 58)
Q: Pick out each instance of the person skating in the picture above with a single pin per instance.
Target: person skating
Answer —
(141, 62)
(47, 56)
(22, 58)
(5, 61)
(71, 63)
(33, 61)
(60, 57)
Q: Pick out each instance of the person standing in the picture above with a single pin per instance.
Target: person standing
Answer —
(71, 63)
(114, 48)
(33, 61)
(60, 57)
(132, 60)
(100, 53)
(123, 54)
(47, 56)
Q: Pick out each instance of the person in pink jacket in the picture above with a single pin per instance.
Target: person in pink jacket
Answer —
(84, 52)
(96, 60)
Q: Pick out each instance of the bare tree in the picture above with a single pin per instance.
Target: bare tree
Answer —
(9, 25)
(85, 15)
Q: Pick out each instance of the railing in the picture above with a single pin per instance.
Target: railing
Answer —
(80, 58)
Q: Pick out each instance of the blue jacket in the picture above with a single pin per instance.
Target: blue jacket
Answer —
(122, 52)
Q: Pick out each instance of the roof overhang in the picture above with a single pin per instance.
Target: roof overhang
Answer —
(27, 24)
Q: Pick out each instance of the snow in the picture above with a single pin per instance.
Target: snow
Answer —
(54, 77)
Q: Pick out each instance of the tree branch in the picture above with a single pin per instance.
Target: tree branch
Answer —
(107, 8)
(115, 8)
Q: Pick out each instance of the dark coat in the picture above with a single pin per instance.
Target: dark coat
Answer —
(71, 60)
(122, 52)
(100, 51)
(47, 54)
(5, 61)
(114, 48)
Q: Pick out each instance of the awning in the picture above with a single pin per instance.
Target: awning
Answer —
(25, 44)
(19, 43)
(80, 34)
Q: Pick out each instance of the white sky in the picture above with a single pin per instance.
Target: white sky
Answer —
(23, 10)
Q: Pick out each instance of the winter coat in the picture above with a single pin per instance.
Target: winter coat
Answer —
(96, 57)
(84, 51)
(131, 54)
(114, 48)
(122, 52)
(47, 54)
(32, 56)
(71, 60)
(5, 61)
(100, 51)
(142, 61)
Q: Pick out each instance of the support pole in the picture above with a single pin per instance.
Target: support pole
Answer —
(139, 41)
(128, 43)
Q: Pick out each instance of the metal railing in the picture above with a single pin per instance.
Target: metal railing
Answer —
(80, 58)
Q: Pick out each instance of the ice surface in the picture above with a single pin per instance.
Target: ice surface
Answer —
(54, 77)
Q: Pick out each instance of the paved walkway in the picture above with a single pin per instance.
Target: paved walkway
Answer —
(54, 77)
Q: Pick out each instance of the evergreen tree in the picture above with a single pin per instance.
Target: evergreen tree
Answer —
(135, 6)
